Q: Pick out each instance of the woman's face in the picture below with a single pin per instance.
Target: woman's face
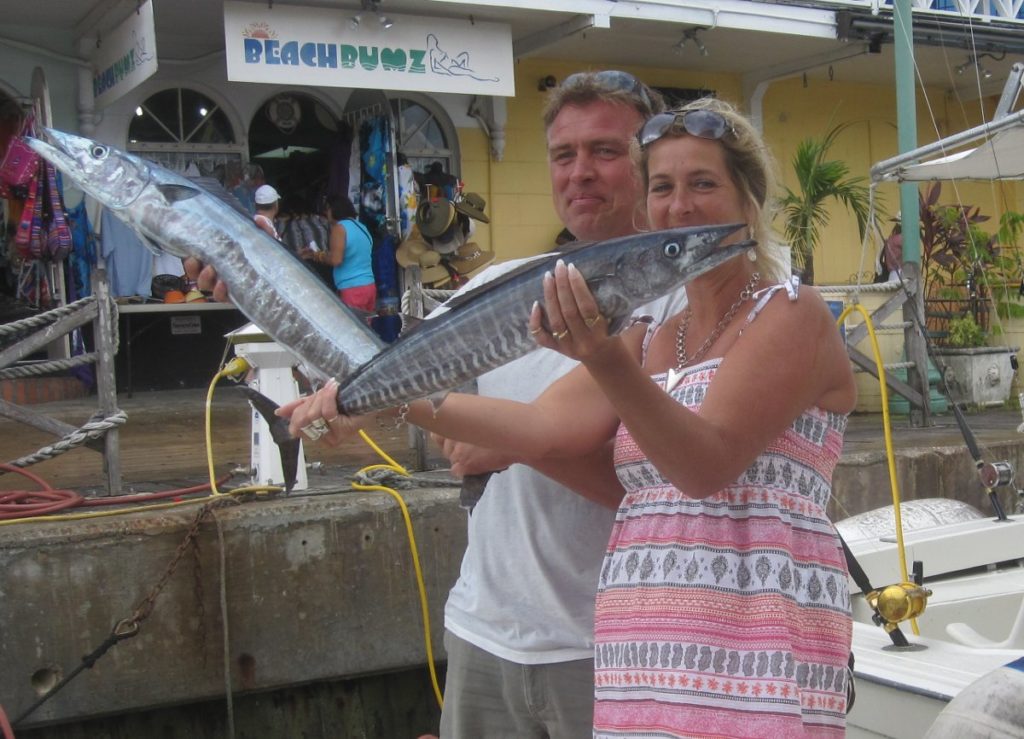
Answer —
(690, 185)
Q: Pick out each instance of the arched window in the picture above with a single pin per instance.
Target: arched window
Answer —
(180, 126)
(425, 134)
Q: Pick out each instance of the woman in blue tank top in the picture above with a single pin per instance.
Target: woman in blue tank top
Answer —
(349, 253)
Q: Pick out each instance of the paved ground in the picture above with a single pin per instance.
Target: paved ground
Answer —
(164, 442)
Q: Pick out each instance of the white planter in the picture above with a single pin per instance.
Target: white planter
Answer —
(980, 376)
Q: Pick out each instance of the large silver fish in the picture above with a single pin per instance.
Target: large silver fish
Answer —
(488, 327)
(269, 284)
(483, 329)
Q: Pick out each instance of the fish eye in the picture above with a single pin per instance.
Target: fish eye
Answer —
(98, 151)
(672, 249)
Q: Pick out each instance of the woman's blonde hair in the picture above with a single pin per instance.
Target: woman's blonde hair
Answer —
(753, 171)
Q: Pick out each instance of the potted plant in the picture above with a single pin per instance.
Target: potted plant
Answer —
(964, 272)
(975, 373)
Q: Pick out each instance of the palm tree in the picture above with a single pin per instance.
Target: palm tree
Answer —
(805, 212)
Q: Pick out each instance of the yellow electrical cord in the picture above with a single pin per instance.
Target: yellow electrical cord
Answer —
(424, 610)
(887, 428)
(235, 367)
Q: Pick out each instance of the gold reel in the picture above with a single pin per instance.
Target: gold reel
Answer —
(900, 602)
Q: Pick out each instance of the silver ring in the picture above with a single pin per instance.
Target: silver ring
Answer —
(315, 430)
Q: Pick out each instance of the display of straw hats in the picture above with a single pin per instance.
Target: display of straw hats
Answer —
(415, 252)
(434, 217)
(408, 252)
(470, 258)
(472, 205)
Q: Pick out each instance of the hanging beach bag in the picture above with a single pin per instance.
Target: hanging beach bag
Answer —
(57, 243)
(19, 165)
(27, 238)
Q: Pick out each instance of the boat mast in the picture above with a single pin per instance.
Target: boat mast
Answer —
(906, 126)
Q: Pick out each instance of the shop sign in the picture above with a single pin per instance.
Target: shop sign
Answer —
(125, 58)
(292, 45)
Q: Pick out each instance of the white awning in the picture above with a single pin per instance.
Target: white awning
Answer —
(999, 158)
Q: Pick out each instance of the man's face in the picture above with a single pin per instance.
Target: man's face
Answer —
(593, 183)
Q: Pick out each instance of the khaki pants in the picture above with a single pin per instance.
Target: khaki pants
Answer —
(486, 697)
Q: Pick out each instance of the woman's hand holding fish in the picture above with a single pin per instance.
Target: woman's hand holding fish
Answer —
(575, 326)
(317, 417)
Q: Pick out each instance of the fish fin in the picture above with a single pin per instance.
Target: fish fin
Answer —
(286, 444)
(617, 324)
(213, 187)
(527, 266)
(176, 193)
(613, 307)
(472, 489)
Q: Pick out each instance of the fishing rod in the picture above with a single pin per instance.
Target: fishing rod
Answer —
(992, 475)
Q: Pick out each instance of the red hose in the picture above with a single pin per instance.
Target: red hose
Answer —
(27, 504)
(5, 725)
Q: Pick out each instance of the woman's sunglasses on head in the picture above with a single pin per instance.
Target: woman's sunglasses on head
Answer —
(706, 124)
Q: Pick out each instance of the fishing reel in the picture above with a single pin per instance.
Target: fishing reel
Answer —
(903, 601)
(894, 604)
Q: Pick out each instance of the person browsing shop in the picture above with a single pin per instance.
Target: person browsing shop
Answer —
(722, 605)
(268, 203)
(349, 253)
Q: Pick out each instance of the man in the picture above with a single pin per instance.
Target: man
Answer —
(519, 621)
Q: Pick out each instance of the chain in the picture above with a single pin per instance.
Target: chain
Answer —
(681, 357)
(144, 608)
(129, 627)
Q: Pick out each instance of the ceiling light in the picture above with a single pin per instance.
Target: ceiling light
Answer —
(690, 34)
(986, 73)
(138, 111)
(354, 21)
(386, 22)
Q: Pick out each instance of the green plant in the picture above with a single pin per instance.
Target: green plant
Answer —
(965, 270)
(964, 332)
(821, 180)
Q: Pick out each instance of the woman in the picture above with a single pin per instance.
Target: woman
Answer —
(349, 253)
(722, 607)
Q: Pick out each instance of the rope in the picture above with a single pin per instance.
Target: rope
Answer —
(42, 368)
(396, 480)
(431, 299)
(44, 319)
(880, 287)
(94, 428)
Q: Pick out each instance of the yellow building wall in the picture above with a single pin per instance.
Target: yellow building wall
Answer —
(518, 189)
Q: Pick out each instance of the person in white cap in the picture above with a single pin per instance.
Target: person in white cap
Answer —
(267, 204)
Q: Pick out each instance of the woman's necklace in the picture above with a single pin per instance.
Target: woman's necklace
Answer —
(682, 359)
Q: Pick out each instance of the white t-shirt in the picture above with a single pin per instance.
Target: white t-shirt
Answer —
(529, 575)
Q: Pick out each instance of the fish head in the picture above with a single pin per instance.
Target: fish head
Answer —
(671, 258)
(113, 177)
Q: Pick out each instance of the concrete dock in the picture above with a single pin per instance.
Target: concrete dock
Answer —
(305, 605)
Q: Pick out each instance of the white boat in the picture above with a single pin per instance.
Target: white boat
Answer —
(950, 680)
(973, 623)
